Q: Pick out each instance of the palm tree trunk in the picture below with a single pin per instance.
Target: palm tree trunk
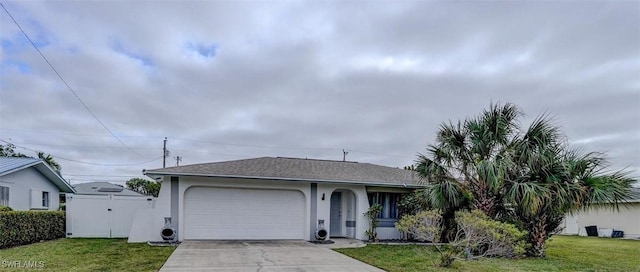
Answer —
(486, 202)
(448, 225)
(537, 236)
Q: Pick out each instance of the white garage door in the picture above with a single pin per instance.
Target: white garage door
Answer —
(234, 213)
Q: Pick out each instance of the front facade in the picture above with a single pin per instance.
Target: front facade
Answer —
(30, 184)
(274, 198)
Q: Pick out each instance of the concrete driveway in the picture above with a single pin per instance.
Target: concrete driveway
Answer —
(259, 256)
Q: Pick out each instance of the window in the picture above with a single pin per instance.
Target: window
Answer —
(389, 202)
(45, 199)
(4, 196)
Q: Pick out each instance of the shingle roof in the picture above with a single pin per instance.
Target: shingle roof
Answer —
(297, 169)
(103, 188)
(10, 165)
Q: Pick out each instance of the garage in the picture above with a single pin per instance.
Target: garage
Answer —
(220, 213)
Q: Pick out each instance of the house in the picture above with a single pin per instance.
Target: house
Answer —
(273, 198)
(30, 184)
(103, 188)
(103, 210)
(606, 218)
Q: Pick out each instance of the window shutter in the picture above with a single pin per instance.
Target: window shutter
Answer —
(36, 199)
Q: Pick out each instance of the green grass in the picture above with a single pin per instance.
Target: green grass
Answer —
(564, 253)
(87, 255)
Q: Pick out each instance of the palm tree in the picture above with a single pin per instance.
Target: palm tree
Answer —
(472, 155)
(48, 159)
(547, 180)
(531, 178)
(464, 168)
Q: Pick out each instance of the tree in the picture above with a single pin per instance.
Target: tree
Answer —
(48, 159)
(547, 179)
(144, 186)
(531, 177)
(9, 151)
(464, 166)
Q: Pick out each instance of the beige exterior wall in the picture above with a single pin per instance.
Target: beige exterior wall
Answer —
(627, 219)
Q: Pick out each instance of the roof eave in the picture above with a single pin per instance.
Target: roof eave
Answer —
(382, 184)
(52, 175)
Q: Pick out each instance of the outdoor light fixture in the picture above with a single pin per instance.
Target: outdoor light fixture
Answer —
(322, 196)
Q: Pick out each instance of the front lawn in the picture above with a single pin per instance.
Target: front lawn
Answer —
(85, 255)
(564, 253)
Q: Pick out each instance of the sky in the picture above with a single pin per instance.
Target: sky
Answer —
(225, 80)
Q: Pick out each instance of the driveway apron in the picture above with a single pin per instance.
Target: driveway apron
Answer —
(259, 256)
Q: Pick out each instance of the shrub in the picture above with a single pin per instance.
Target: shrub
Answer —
(476, 235)
(372, 215)
(26, 227)
(413, 203)
(488, 237)
(5, 209)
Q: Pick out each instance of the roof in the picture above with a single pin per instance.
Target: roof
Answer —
(103, 188)
(10, 165)
(297, 169)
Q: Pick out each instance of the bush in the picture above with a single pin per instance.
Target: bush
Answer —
(26, 227)
(476, 235)
(413, 203)
(488, 237)
(5, 209)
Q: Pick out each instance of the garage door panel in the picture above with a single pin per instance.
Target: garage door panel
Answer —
(235, 213)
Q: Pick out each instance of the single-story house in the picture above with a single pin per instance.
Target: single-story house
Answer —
(103, 210)
(606, 218)
(30, 184)
(273, 198)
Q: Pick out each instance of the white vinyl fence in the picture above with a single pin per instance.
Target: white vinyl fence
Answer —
(102, 216)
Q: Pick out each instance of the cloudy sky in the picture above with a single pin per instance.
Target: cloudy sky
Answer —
(230, 80)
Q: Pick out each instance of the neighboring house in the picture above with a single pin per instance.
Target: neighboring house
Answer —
(605, 216)
(103, 210)
(103, 188)
(30, 184)
(274, 198)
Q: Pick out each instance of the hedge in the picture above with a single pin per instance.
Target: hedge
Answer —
(27, 227)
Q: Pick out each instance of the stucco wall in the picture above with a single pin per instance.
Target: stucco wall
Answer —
(21, 183)
(148, 223)
(361, 206)
(627, 219)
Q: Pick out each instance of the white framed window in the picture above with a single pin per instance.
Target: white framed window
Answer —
(389, 203)
(39, 200)
(45, 199)
(4, 196)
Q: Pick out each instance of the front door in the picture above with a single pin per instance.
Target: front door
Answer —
(335, 214)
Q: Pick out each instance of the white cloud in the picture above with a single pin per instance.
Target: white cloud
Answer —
(373, 77)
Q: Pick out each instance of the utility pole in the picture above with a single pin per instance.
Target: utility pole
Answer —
(344, 154)
(178, 160)
(164, 153)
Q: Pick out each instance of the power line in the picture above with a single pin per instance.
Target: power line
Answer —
(199, 141)
(58, 132)
(67, 84)
(85, 146)
(83, 162)
(258, 146)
